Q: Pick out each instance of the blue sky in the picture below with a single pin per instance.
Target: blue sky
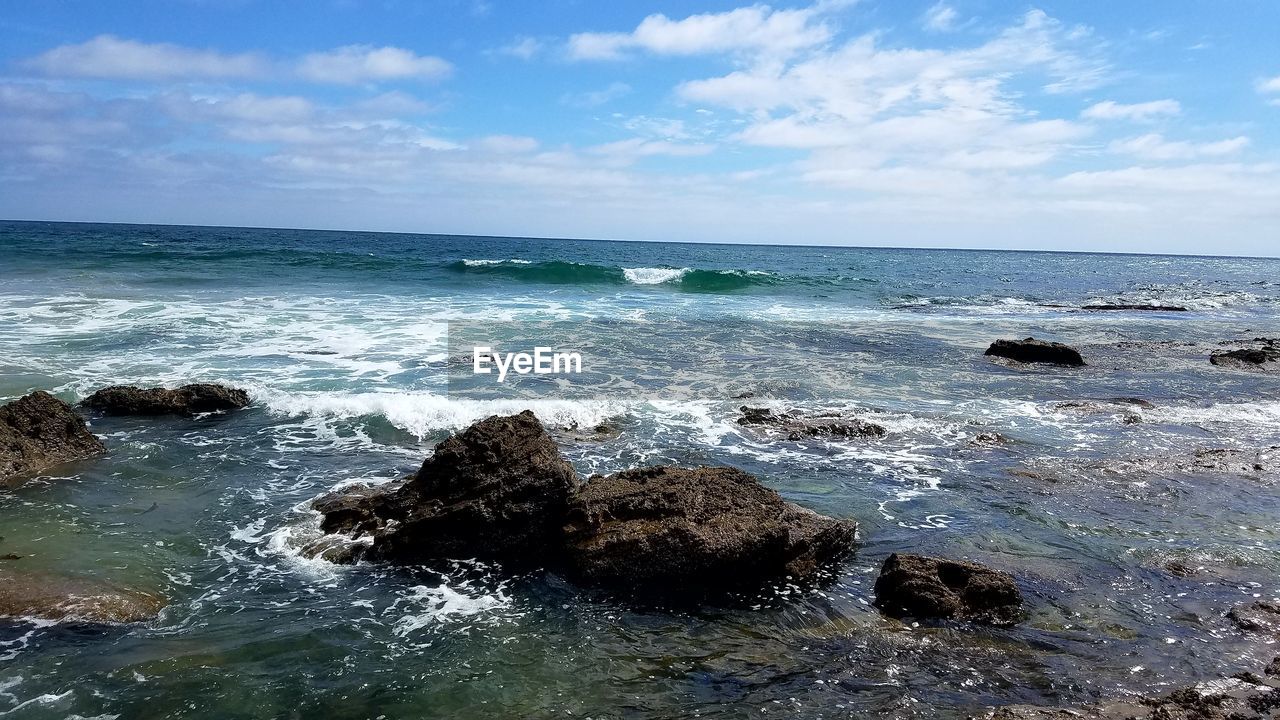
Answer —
(1088, 125)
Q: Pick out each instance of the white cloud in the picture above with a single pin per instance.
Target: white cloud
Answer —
(1153, 146)
(758, 29)
(523, 47)
(507, 144)
(1269, 85)
(595, 98)
(107, 56)
(641, 147)
(1138, 112)
(941, 18)
(243, 107)
(355, 64)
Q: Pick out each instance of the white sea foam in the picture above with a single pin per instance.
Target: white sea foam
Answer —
(483, 263)
(425, 606)
(653, 276)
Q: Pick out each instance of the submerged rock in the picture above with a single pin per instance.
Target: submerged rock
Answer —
(496, 491)
(1242, 697)
(1258, 616)
(57, 598)
(798, 427)
(670, 531)
(926, 587)
(186, 400)
(39, 431)
(1032, 350)
(1152, 308)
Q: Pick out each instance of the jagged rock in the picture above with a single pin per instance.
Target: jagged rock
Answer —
(496, 491)
(925, 587)
(39, 431)
(798, 428)
(56, 598)
(1032, 350)
(1154, 308)
(1258, 616)
(186, 400)
(673, 531)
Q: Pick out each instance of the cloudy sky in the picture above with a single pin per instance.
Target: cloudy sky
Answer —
(1075, 125)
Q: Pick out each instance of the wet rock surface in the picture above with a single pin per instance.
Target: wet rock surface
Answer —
(41, 596)
(1243, 697)
(916, 586)
(39, 431)
(1031, 350)
(660, 530)
(1263, 356)
(187, 400)
(496, 491)
(1138, 307)
(796, 427)
(500, 490)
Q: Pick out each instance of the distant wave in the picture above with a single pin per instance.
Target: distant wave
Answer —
(573, 273)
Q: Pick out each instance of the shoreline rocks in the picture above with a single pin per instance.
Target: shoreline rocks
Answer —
(39, 431)
(501, 491)
(917, 586)
(1249, 358)
(1139, 307)
(188, 400)
(656, 530)
(1031, 350)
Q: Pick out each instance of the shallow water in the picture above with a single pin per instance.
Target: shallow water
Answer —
(343, 340)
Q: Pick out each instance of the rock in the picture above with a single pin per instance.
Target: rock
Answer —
(1273, 667)
(926, 587)
(1031, 350)
(1154, 308)
(672, 532)
(1249, 358)
(39, 431)
(56, 598)
(496, 491)
(186, 400)
(1244, 697)
(1258, 616)
(798, 428)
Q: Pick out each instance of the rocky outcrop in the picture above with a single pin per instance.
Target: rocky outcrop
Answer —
(187, 400)
(1259, 616)
(500, 491)
(1144, 307)
(797, 427)
(497, 491)
(1032, 350)
(666, 530)
(1257, 358)
(915, 586)
(39, 431)
(54, 598)
(1242, 697)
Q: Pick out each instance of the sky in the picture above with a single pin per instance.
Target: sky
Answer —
(1134, 126)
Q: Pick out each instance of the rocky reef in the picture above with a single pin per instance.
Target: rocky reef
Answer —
(192, 399)
(1031, 350)
(920, 587)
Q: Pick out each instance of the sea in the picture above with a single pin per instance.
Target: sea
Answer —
(1088, 484)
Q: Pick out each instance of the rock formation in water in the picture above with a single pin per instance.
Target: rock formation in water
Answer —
(1147, 308)
(500, 490)
(1032, 350)
(39, 431)
(798, 428)
(187, 400)
(1257, 358)
(666, 529)
(915, 586)
(42, 596)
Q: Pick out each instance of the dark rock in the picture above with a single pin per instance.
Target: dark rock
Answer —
(1177, 568)
(186, 400)
(56, 598)
(673, 531)
(10, 556)
(1031, 350)
(1240, 357)
(1155, 308)
(1273, 667)
(39, 431)
(926, 587)
(1243, 696)
(798, 428)
(496, 491)
(1258, 616)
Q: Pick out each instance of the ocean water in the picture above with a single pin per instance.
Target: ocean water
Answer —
(343, 339)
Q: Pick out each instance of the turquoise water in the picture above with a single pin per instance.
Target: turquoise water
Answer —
(343, 340)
